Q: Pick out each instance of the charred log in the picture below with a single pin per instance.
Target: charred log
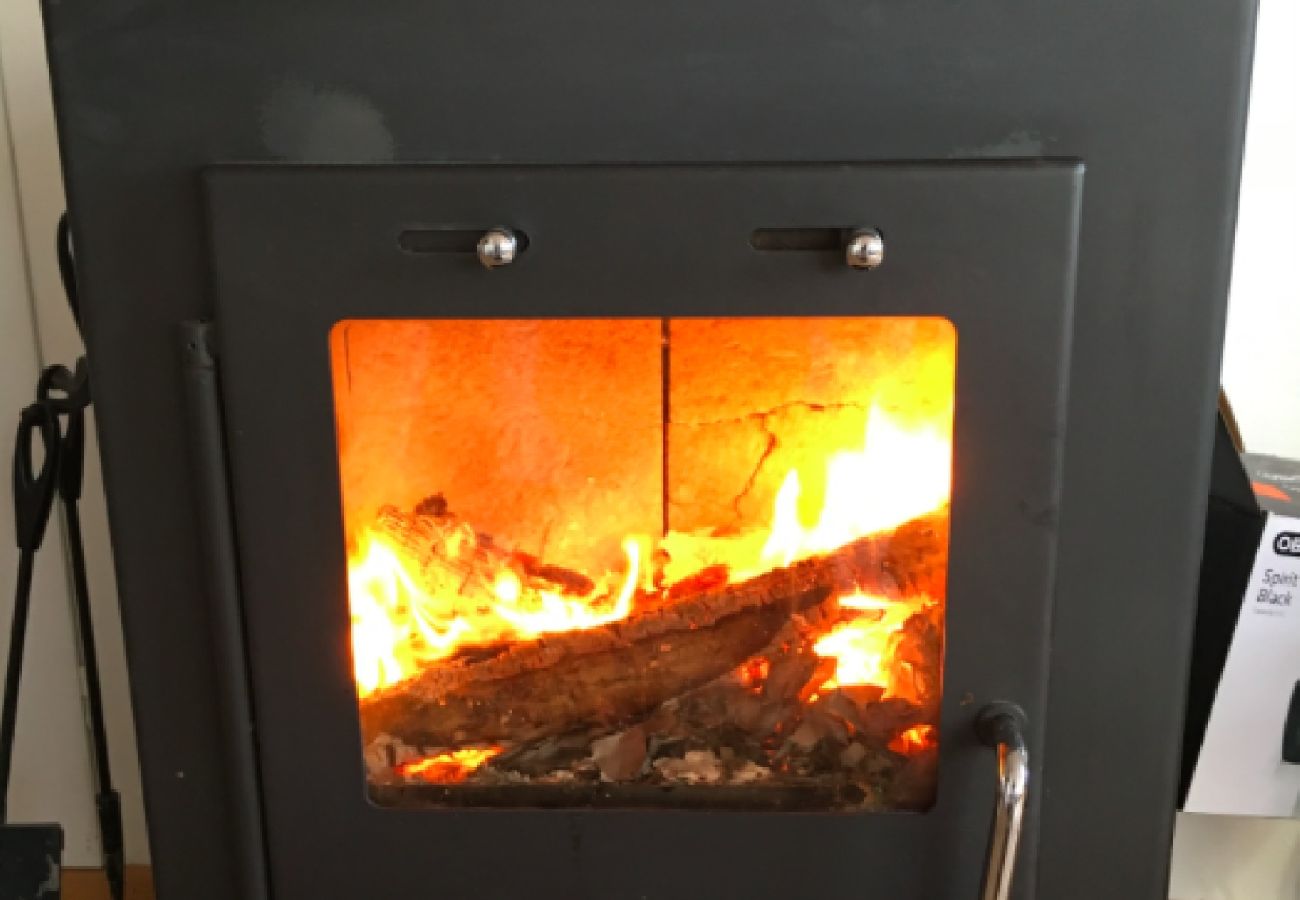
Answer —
(613, 675)
(596, 678)
(448, 554)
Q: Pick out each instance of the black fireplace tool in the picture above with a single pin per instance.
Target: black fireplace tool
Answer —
(30, 854)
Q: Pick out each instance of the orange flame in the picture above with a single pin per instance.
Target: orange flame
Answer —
(900, 471)
(444, 768)
(898, 474)
(394, 624)
(915, 739)
(557, 613)
(397, 626)
(863, 646)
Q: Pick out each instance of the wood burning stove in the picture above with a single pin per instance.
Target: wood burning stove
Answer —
(655, 517)
(578, 480)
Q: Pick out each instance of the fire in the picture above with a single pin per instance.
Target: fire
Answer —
(898, 474)
(915, 739)
(394, 622)
(397, 626)
(902, 470)
(754, 672)
(557, 613)
(444, 768)
(862, 647)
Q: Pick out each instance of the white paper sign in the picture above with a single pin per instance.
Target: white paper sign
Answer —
(1240, 770)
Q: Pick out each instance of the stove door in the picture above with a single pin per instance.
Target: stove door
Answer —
(644, 531)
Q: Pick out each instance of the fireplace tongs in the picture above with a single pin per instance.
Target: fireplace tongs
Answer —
(1002, 726)
(56, 421)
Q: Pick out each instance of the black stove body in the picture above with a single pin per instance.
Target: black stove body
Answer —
(1056, 180)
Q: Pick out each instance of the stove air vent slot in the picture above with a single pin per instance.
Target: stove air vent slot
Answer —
(799, 239)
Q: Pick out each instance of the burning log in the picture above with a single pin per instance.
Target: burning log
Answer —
(614, 674)
(599, 677)
(451, 556)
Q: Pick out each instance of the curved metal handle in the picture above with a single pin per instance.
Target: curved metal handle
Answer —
(1002, 726)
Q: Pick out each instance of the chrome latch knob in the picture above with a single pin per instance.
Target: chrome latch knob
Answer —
(865, 249)
(497, 248)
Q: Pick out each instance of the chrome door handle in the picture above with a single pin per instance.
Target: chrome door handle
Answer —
(1002, 726)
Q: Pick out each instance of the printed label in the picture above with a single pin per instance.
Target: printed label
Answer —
(1240, 770)
(1287, 543)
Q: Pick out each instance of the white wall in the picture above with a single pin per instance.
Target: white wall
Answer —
(52, 777)
(1215, 858)
(1261, 363)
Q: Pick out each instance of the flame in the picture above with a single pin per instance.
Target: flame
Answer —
(394, 626)
(398, 627)
(862, 647)
(902, 470)
(557, 613)
(450, 767)
(915, 739)
(898, 474)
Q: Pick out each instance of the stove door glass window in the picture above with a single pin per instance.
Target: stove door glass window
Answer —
(665, 562)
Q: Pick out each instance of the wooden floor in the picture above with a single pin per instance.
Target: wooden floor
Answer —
(90, 884)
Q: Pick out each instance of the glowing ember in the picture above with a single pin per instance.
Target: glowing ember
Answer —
(753, 673)
(456, 765)
(915, 739)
